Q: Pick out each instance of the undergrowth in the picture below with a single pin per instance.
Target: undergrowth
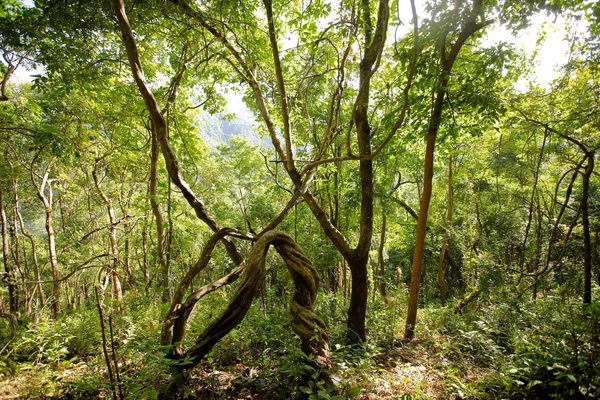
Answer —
(498, 348)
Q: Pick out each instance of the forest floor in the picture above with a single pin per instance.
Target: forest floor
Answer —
(404, 371)
(540, 349)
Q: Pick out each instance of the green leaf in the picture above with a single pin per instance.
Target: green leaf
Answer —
(305, 389)
(532, 384)
(352, 393)
(151, 394)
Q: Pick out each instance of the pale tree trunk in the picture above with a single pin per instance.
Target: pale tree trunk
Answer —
(447, 62)
(47, 202)
(447, 227)
(114, 248)
(145, 262)
(380, 258)
(39, 292)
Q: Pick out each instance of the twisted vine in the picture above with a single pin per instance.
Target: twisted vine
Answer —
(305, 322)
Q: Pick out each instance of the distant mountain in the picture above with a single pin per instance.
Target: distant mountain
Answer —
(216, 129)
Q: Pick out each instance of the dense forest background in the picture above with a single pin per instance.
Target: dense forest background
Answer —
(433, 212)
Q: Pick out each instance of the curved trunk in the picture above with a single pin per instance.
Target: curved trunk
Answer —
(305, 322)
(47, 202)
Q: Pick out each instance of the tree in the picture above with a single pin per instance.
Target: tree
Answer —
(472, 22)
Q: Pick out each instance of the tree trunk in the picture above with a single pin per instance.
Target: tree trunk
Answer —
(305, 322)
(380, 258)
(11, 279)
(47, 202)
(145, 262)
(447, 61)
(17, 244)
(587, 244)
(39, 292)
(114, 248)
(447, 227)
(359, 292)
(595, 254)
(415, 280)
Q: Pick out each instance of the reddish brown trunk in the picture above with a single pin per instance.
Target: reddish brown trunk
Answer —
(415, 281)
(447, 59)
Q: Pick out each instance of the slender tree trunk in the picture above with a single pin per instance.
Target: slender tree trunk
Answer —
(56, 289)
(10, 274)
(127, 264)
(47, 202)
(380, 258)
(17, 244)
(587, 244)
(447, 62)
(146, 263)
(63, 215)
(27, 291)
(39, 292)
(595, 254)
(531, 207)
(114, 247)
(538, 245)
(441, 269)
(160, 222)
(415, 281)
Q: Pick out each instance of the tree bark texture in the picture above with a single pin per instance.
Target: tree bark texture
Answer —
(10, 277)
(305, 322)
